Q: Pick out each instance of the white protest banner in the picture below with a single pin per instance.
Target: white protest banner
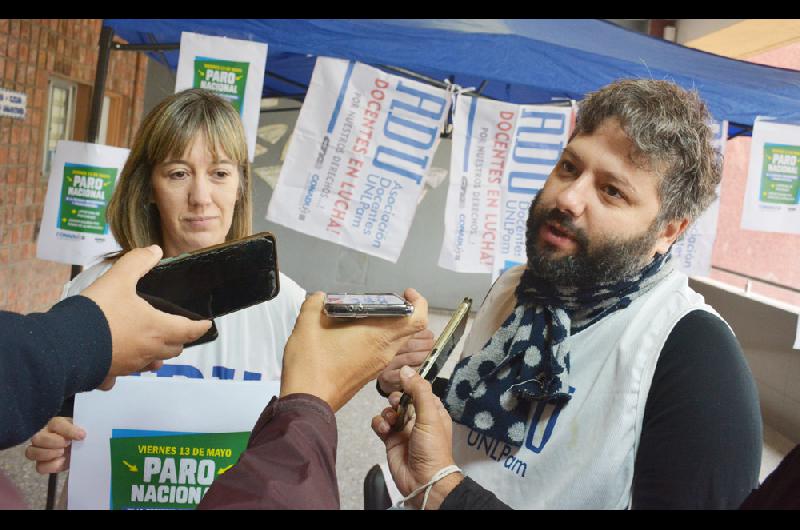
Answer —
(540, 133)
(693, 252)
(772, 195)
(231, 68)
(82, 179)
(363, 143)
(159, 443)
(482, 131)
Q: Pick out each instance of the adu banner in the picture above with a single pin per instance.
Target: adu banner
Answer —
(482, 133)
(231, 68)
(159, 443)
(539, 134)
(693, 251)
(82, 179)
(355, 168)
(772, 195)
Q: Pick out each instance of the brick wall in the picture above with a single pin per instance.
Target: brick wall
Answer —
(31, 52)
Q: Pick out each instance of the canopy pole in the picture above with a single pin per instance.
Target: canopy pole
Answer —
(96, 113)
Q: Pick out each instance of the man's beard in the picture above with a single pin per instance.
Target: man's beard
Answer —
(608, 262)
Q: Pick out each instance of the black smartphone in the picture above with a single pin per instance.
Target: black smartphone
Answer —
(214, 281)
(442, 349)
(366, 305)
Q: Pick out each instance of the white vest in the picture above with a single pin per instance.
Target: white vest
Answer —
(580, 455)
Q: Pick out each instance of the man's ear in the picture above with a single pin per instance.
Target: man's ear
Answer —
(669, 234)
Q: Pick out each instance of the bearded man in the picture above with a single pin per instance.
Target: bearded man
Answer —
(594, 376)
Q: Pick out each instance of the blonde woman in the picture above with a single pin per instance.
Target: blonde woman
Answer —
(185, 186)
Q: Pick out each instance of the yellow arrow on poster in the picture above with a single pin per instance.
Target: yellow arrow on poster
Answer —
(131, 468)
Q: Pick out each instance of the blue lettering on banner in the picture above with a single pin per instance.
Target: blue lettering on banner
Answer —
(422, 162)
(342, 91)
(473, 107)
(305, 208)
(524, 182)
(429, 132)
(399, 130)
(437, 101)
(535, 123)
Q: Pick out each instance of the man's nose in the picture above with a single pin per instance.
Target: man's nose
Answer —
(572, 199)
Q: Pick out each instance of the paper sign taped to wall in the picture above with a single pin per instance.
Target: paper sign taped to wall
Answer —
(74, 227)
(772, 195)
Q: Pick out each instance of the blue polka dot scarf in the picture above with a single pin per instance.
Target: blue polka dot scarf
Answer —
(526, 361)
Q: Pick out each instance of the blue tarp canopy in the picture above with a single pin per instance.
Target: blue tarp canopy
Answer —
(521, 61)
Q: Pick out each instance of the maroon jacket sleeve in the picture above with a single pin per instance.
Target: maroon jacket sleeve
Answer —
(289, 463)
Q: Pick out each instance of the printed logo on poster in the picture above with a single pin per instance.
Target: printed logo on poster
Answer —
(540, 134)
(780, 179)
(358, 156)
(168, 470)
(85, 193)
(227, 79)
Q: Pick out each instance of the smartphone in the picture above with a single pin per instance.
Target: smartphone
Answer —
(214, 281)
(366, 305)
(442, 349)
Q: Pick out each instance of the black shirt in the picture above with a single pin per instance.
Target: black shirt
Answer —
(701, 438)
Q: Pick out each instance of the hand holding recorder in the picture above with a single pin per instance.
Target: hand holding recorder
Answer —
(334, 358)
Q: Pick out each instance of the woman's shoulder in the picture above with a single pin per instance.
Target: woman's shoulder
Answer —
(85, 278)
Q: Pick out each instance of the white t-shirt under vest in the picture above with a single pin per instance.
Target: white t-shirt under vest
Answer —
(580, 455)
(250, 343)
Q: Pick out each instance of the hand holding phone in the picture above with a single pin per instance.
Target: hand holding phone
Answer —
(346, 305)
(214, 281)
(444, 346)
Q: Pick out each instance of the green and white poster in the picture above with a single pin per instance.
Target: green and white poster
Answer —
(160, 442)
(158, 470)
(231, 68)
(225, 78)
(85, 192)
(74, 226)
(780, 180)
(772, 195)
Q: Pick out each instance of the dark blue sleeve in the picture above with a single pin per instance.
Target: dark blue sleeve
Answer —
(46, 358)
(701, 439)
